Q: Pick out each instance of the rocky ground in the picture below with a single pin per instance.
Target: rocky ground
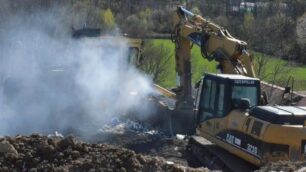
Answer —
(42, 153)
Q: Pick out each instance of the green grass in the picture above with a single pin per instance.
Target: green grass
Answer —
(201, 65)
(286, 69)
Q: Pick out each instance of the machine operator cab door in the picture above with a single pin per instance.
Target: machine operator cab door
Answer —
(219, 94)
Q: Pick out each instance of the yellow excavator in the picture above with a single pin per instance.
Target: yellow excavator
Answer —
(134, 45)
(230, 128)
(227, 111)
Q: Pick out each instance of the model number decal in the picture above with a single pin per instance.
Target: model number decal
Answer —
(252, 149)
(247, 144)
(231, 139)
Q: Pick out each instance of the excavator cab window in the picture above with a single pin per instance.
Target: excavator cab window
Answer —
(239, 92)
(212, 100)
(222, 93)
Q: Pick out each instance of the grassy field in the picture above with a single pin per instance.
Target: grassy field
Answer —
(273, 65)
(282, 70)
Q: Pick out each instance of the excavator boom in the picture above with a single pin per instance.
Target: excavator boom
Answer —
(216, 44)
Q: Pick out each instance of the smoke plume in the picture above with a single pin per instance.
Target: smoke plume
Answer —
(51, 82)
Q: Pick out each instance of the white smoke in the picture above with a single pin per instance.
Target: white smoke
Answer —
(49, 81)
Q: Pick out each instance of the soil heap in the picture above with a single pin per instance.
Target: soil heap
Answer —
(42, 153)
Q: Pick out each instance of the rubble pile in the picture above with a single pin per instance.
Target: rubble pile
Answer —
(42, 153)
(145, 140)
(284, 166)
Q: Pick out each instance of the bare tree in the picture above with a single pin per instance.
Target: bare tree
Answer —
(155, 61)
(261, 63)
(276, 73)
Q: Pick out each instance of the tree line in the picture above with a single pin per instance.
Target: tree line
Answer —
(275, 27)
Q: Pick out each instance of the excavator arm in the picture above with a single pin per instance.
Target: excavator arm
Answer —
(216, 44)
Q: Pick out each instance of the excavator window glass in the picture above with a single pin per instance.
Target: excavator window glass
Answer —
(212, 100)
(213, 95)
(206, 92)
(206, 104)
(242, 91)
(220, 108)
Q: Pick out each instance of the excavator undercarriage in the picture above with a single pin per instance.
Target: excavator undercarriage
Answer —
(216, 158)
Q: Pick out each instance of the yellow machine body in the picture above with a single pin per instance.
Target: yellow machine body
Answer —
(228, 115)
(288, 138)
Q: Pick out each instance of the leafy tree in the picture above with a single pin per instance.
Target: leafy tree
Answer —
(108, 19)
(196, 10)
(281, 32)
(301, 34)
(132, 25)
(161, 22)
(139, 24)
(248, 21)
(79, 13)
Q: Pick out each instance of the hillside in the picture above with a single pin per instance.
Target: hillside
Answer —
(201, 65)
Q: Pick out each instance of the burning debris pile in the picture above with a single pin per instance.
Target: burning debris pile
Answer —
(145, 140)
(40, 153)
(123, 132)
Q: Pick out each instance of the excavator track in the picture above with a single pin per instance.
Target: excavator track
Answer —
(216, 158)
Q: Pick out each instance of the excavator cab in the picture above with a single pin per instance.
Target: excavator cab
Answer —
(228, 114)
(219, 94)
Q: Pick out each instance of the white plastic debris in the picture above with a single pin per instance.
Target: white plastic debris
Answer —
(169, 162)
(152, 132)
(180, 136)
(56, 134)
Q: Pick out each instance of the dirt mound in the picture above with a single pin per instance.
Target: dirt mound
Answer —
(284, 166)
(41, 153)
